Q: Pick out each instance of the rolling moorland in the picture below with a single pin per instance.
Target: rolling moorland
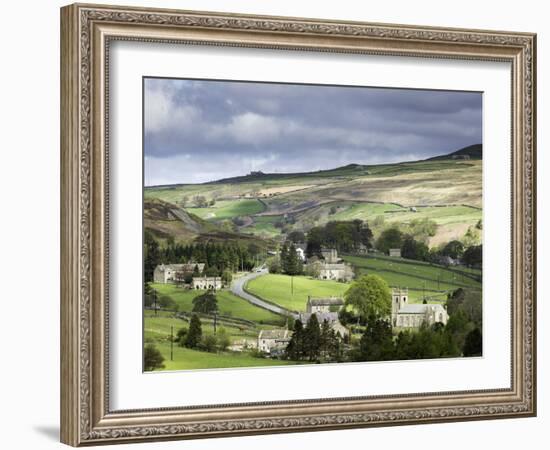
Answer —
(266, 206)
(260, 210)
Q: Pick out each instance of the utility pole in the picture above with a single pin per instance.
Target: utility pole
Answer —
(171, 343)
(215, 320)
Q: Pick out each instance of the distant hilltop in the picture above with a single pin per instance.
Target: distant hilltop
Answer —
(471, 152)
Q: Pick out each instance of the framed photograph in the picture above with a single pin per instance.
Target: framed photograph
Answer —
(277, 224)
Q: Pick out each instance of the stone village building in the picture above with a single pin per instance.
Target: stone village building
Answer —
(273, 341)
(325, 309)
(212, 283)
(332, 267)
(405, 315)
(170, 273)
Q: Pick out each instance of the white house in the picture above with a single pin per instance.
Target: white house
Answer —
(273, 341)
(301, 254)
(405, 315)
(166, 273)
(214, 283)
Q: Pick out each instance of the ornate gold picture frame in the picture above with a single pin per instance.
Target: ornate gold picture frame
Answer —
(87, 31)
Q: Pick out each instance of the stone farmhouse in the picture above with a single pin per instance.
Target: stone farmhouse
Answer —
(319, 305)
(339, 271)
(323, 308)
(405, 315)
(212, 283)
(273, 341)
(170, 273)
(332, 267)
(330, 255)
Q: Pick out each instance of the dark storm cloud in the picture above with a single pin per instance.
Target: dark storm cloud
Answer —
(197, 131)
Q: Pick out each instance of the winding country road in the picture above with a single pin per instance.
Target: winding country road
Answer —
(237, 288)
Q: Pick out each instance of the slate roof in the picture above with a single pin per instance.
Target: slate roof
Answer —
(419, 308)
(275, 334)
(328, 301)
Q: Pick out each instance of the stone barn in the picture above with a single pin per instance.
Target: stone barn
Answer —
(211, 283)
(273, 341)
(169, 273)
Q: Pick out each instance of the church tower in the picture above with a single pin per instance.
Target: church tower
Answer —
(399, 298)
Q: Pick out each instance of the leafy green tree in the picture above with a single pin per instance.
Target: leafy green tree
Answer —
(274, 265)
(296, 236)
(194, 334)
(209, 343)
(152, 358)
(224, 340)
(412, 249)
(227, 277)
(181, 335)
(370, 297)
(389, 238)
(453, 249)
(200, 201)
(473, 344)
(206, 303)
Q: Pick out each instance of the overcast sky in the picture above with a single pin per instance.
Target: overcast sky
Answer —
(199, 131)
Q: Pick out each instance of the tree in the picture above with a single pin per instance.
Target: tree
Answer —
(200, 201)
(209, 343)
(194, 335)
(296, 236)
(152, 358)
(370, 296)
(412, 249)
(473, 256)
(223, 339)
(206, 303)
(227, 277)
(313, 269)
(151, 255)
(181, 335)
(389, 238)
(473, 344)
(376, 343)
(295, 347)
(453, 249)
(312, 338)
(274, 265)
(184, 201)
(290, 261)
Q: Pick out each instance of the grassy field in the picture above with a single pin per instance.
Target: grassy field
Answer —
(228, 304)
(413, 275)
(278, 289)
(158, 327)
(227, 209)
(187, 359)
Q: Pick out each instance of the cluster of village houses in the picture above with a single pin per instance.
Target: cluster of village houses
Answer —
(331, 267)
(404, 315)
